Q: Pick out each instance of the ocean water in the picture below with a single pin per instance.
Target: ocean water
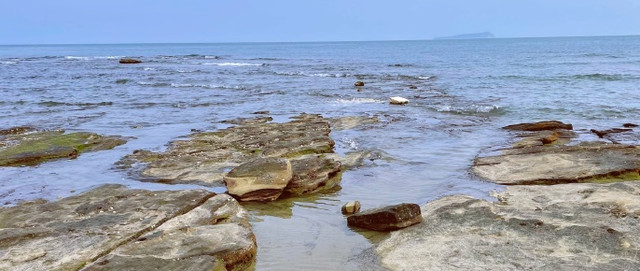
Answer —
(465, 90)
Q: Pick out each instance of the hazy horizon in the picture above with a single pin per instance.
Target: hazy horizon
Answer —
(40, 22)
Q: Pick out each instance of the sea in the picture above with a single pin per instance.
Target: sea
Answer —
(461, 93)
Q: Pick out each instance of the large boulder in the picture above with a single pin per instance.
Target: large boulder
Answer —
(312, 174)
(387, 218)
(17, 147)
(115, 228)
(261, 179)
(558, 227)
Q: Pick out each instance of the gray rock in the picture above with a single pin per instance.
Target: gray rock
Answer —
(105, 229)
(261, 179)
(559, 227)
(387, 218)
(586, 162)
(351, 122)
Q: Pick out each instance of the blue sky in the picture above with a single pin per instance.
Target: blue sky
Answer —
(141, 21)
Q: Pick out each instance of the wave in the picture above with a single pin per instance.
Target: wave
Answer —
(401, 65)
(76, 57)
(55, 103)
(603, 77)
(336, 75)
(470, 109)
(234, 64)
(151, 84)
(9, 62)
(211, 86)
(359, 101)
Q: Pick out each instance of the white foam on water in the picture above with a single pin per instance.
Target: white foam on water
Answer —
(181, 85)
(211, 57)
(232, 64)
(76, 57)
(425, 77)
(149, 69)
(9, 62)
(358, 101)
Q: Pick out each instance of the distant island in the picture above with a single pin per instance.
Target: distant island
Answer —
(483, 35)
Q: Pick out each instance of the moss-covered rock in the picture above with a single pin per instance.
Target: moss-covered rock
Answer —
(20, 148)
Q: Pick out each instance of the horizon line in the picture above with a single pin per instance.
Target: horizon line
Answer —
(438, 39)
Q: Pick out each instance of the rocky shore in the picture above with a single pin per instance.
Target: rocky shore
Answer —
(567, 204)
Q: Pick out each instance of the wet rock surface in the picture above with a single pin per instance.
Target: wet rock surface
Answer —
(115, 228)
(129, 61)
(558, 227)
(543, 156)
(23, 146)
(539, 126)
(261, 179)
(205, 157)
(387, 218)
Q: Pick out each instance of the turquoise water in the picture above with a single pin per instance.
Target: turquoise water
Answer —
(464, 91)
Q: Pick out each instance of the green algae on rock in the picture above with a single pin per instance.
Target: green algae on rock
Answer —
(21, 148)
(206, 157)
(112, 227)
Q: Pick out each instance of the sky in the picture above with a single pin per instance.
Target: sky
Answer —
(186, 21)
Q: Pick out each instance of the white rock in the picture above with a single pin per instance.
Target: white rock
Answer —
(398, 100)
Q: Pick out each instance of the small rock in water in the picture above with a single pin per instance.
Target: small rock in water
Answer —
(413, 87)
(398, 100)
(351, 207)
(602, 133)
(130, 61)
(387, 218)
(359, 84)
(630, 125)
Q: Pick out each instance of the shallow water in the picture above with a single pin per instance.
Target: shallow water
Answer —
(465, 90)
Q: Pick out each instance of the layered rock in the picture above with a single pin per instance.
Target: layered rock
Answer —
(115, 228)
(130, 61)
(22, 146)
(261, 179)
(542, 156)
(558, 227)
(206, 157)
(387, 218)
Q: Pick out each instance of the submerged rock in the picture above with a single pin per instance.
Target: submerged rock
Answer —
(130, 61)
(387, 218)
(16, 130)
(559, 227)
(351, 122)
(629, 125)
(603, 133)
(115, 228)
(32, 148)
(539, 126)
(261, 179)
